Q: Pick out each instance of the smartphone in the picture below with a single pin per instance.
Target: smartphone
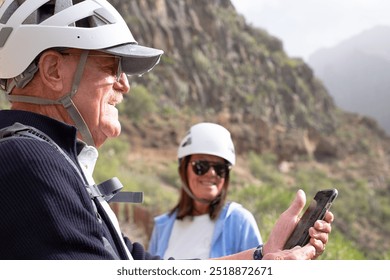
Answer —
(316, 211)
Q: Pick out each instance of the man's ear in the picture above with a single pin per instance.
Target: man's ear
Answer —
(50, 69)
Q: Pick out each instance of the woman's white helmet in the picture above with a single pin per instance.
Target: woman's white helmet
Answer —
(208, 138)
(28, 27)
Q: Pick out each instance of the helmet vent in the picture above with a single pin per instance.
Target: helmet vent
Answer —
(62, 5)
(8, 13)
(186, 143)
(4, 34)
(105, 16)
(40, 15)
(100, 17)
(47, 10)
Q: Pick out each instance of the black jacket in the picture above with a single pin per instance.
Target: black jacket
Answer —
(45, 209)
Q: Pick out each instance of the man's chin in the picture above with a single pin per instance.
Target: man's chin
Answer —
(112, 130)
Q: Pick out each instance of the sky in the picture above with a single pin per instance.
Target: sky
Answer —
(305, 26)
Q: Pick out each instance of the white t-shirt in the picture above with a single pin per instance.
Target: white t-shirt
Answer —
(191, 238)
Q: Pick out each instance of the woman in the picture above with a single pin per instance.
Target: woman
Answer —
(202, 224)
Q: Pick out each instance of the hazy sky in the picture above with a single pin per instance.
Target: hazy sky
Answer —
(304, 26)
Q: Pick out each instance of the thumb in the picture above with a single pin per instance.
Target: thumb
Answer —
(297, 205)
(286, 223)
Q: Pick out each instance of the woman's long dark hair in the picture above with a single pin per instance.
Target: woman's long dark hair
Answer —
(185, 206)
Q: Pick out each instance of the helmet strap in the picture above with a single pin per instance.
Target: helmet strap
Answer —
(68, 104)
(65, 101)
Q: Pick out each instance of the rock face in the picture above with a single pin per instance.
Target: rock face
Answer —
(218, 68)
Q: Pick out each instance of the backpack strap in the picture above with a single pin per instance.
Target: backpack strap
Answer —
(109, 190)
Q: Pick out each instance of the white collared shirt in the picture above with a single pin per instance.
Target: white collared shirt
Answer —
(87, 159)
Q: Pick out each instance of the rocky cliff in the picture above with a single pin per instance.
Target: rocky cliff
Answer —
(218, 68)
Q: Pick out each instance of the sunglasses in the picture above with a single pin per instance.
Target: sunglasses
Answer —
(201, 167)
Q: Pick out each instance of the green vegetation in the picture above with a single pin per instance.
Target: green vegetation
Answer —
(138, 104)
(136, 176)
(112, 157)
(266, 199)
(273, 195)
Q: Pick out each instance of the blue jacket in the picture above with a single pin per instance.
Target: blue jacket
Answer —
(235, 231)
(45, 209)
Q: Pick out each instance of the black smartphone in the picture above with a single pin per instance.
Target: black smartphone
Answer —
(316, 211)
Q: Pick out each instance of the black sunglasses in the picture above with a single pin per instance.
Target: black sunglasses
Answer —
(201, 167)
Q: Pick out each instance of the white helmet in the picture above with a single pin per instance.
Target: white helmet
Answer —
(28, 27)
(208, 138)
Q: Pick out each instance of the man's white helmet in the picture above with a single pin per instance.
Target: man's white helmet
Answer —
(28, 27)
(208, 138)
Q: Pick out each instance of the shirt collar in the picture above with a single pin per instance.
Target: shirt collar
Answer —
(87, 158)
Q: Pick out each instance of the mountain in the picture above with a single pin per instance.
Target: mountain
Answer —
(288, 131)
(356, 73)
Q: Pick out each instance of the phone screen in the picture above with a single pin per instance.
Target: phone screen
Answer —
(316, 211)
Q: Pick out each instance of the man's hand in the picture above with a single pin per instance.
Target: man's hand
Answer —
(307, 252)
(285, 225)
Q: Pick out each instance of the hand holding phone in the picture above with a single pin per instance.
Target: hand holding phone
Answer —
(316, 211)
